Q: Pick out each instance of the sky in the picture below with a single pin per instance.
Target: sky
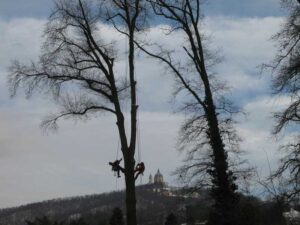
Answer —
(35, 166)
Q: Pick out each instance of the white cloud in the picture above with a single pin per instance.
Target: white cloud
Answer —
(20, 38)
(246, 44)
(258, 141)
(261, 110)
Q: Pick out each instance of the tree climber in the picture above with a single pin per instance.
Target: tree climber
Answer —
(115, 166)
(139, 169)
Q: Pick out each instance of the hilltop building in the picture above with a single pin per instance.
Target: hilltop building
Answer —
(158, 180)
(157, 184)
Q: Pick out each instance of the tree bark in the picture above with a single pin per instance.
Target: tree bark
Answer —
(130, 161)
(223, 190)
(130, 191)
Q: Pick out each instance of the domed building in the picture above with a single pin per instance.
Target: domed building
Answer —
(156, 182)
(158, 178)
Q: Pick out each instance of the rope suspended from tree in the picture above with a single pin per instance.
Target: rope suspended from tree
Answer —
(140, 167)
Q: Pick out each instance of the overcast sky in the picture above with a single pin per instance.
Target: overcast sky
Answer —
(73, 161)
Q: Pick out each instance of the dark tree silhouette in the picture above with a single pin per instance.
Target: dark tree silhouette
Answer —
(205, 103)
(190, 220)
(43, 221)
(117, 217)
(171, 219)
(80, 221)
(78, 68)
(286, 73)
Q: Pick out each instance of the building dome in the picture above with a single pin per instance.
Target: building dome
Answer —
(158, 178)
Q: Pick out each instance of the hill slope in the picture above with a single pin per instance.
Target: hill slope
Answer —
(153, 205)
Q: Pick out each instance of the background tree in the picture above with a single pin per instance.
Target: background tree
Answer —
(78, 68)
(275, 188)
(208, 126)
(117, 217)
(286, 73)
(190, 220)
(80, 221)
(171, 219)
(43, 221)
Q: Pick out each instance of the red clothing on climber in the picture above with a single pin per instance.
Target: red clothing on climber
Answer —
(139, 169)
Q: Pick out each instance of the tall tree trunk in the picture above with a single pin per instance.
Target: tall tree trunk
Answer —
(129, 164)
(223, 190)
(130, 191)
(130, 160)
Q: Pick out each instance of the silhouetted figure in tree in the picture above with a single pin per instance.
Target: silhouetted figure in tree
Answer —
(139, 169)
(115, 166)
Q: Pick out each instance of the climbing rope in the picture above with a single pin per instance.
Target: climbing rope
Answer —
(117, 157)
(139, 144)
(126, 116)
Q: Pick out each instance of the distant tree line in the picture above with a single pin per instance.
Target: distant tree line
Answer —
(251, 211)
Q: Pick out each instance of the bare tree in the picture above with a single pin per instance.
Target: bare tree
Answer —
(78, 68)
(209, 125)
(286, 70)
(286, 67)
(288, 172)
(273, 187)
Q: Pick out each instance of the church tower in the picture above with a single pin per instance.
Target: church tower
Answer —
(150, 179)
